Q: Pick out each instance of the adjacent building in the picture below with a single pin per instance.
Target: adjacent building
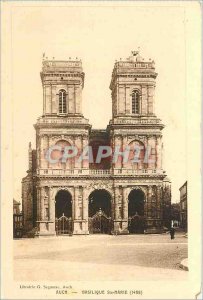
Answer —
(84, 197)
(16, 207)
(183, 206)
(17, 220)
(175, 214)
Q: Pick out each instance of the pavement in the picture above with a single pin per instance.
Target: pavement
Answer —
(184, 264)
(100, 257)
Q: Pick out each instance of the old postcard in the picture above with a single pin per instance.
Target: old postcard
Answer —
(101, 150)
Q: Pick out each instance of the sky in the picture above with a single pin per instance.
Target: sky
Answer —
(99, 36)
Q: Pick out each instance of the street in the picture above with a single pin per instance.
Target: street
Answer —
(100, 257)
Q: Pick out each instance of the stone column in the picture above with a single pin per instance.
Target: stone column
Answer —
(76, 222)
(42, 224)
(151, 144)
(71, 99)
(78, 100)
(124, 145)
(128, 100)
(116, 210)
(112, 144)
(74, 98)
(85, 163)
(38, 205)
(118, 143)
(51, 98)
(147, 208)
(159, 153)
(154, 202)
(146, 204)
(151, 220)
(44, 101)
(150, 100)
(159, 212)
(48, 144)
(124, 98)
(40, 140)
(146, 147)
(78, 146)
(85, 212)
(125, 211)
(42, 202)
(76, 194)
(144, 100)
(117, 98)
(51, 211)
(156, 153)
(125, 205)
(48, 98)
(54, 99)
(116, 201)
(161, 203)
(149, 190)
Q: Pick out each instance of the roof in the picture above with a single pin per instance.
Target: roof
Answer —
(185, 184)
(15, 202)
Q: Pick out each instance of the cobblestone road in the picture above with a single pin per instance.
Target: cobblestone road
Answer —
(100, 257)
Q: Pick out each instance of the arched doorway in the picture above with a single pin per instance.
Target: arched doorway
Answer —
(63, 212)
(136, 221)
(100, 212)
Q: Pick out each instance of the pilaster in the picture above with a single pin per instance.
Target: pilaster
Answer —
(84, 212)
(117, 220)
(46, 226)
(77, 222)
(125, 211)
(51, 211)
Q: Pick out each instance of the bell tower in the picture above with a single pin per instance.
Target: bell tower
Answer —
(132, 86)
(134, 122)
(62, 122)
(62, 83)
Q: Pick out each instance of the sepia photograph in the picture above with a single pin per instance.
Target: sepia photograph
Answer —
(101, 113)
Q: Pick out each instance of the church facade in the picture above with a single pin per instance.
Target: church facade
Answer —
(81, 196)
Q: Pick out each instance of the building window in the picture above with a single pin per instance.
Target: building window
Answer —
(135, 102)
(62, 102)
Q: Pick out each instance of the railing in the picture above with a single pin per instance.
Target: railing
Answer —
(68, 120)
(134, 64)
(100, 172)
(65, 172)
(63, 120)
(135, 121)
(57, 66)
(136, 172)
(90, 172)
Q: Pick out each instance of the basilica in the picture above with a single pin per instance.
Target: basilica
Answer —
(86, 196)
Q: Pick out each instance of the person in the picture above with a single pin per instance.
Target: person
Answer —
(172, 233)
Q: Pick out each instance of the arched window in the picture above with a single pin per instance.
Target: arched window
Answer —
(135, 102)
(62, 102)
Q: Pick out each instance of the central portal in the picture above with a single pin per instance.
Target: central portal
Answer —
(136, 220)
(63, 213)
(100, 212)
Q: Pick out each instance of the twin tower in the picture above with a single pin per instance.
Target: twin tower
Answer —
(123, 196)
